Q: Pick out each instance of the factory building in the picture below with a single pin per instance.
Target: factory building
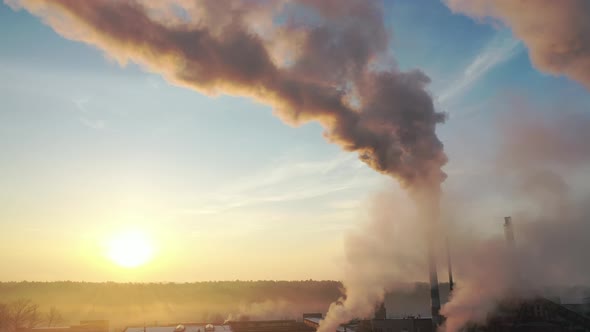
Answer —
(406, 324)
(512, 315)
(231, 326)
(581, 308)
(184, 327)
(380, 323)
(270, 326)
(313, 321)
(537, 315)
(84, 326)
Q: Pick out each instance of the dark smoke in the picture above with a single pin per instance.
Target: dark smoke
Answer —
(386, 116)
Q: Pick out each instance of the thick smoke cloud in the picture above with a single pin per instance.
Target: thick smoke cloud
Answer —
(329, 74)
(556, 32)
(311, 60)
(541, 158)
(381, 255)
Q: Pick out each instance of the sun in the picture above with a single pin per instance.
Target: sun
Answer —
(130, 249)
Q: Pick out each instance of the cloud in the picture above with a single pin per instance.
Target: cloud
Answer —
(93, 123)
(288, 180)
(558, 139)
(536, 165)
(555, 32)
(87, 118)
(498, 50)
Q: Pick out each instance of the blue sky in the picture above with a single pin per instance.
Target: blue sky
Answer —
(90, 147)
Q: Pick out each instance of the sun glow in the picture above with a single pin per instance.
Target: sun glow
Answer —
(130, 249)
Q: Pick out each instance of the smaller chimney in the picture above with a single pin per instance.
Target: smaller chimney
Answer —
(511, 253)
(380, 312)
(509, 232)
(450, 267)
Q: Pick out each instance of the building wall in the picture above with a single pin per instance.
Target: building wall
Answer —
(84, 326)
(270, 326)
(397, 325)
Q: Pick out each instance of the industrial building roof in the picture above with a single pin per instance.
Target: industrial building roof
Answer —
(317, 321)
(187, 328)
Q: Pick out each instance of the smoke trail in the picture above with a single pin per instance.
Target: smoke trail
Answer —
(331, 75)
(556, 32)
(324, 61)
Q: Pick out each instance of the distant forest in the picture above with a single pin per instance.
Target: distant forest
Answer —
(169, 303)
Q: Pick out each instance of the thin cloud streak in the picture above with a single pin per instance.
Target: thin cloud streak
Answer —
(499, 49)
(554, 32)
(290, 180)
(86, 118)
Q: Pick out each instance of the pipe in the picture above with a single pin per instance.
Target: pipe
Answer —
(450, 267)
(509, 232)
(434, 291)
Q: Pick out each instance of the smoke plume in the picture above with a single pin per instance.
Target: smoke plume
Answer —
(555, 32)
(381, 256)
(324, 61)
(541, 159)
(310, 60)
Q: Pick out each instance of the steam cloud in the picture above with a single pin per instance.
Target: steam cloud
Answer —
(324, 61)
(381, 256)
(540, 158)
(556, 32)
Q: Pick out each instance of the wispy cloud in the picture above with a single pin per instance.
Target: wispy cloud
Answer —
(288, 180)
(499, 49)
(93, 123)
(86, 118)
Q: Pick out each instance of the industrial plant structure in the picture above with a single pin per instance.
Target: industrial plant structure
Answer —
(512, 314)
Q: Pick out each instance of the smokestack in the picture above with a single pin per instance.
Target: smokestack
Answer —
(450, 267)
(511, 252)
(380, 312)
(434, 291)
(509, 232)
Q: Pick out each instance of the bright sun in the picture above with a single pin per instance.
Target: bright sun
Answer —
(130, 249)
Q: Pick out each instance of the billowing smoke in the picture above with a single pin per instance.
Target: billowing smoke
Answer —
(542, 161)
(311, 60)
(381, 255)
(555, 32)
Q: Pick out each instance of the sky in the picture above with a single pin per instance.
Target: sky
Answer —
(220, 187)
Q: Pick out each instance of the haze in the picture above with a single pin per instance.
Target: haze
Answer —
(180, 141)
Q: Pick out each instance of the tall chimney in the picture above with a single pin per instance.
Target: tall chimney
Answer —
(450, 267)
(511, 252)
(380, 311)
(509, 232)
(434, 292)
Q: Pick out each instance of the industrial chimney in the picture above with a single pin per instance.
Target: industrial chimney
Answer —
(380, 312)
(434, 292)
(511, 252)
(509, 232)
(450, 267)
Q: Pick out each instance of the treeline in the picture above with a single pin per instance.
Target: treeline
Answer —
(115, 294)
(164, 303)
(25, 314)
